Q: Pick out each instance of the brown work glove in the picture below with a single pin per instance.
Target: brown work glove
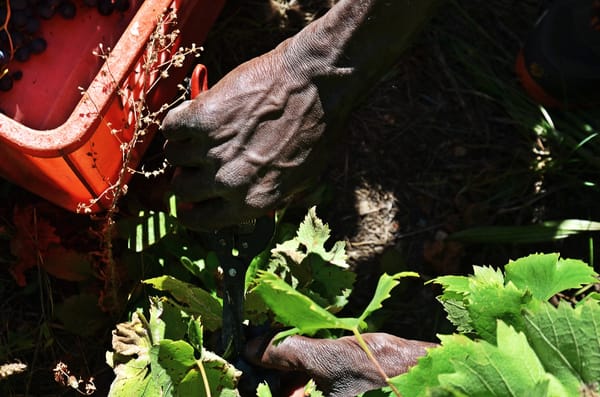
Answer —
(254, 139)
(244, 146)
(339, 367)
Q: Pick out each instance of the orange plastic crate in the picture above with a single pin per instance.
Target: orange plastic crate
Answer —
(65, 146)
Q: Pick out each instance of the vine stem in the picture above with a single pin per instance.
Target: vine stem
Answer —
(371, 357)
(204, 378)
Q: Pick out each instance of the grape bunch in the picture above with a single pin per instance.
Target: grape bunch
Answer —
(20, 36)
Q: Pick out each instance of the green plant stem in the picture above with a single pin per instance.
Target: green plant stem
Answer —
(204, 378)
(369, 353)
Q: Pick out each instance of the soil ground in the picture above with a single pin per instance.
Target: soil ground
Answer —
(437, 147)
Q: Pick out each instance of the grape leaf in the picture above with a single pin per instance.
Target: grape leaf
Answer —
(567, 340)
(170, 361)
(510, 368)
(177, 371)
(463, 367)
(474, 303)
(313, 235)
(131, 359)
(458, 315)
(195, 334)
(546, 274)
(454, 286)
(424, 376)
(194, 300)
(306, 264)
(148, 365)
(263, 390)
(488, 303)
(221, 376)
(167, 319)
(385, 285)
(295, 309)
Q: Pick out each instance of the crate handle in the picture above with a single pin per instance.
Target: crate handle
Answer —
(199, 80)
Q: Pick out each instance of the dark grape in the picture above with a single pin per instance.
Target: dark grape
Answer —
(121, 5)
(67, 9)
(45, 10)
(6, 83)
(105, 7)
(18, 19)
(38, 45)
(18, 4)
(22, 54)
(18, 39)
(32, 25)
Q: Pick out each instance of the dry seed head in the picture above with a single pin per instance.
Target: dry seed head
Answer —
(9, 369)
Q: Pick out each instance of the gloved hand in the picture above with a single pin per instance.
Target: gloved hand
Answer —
(244, 146)
(339, 367)
(254, 139)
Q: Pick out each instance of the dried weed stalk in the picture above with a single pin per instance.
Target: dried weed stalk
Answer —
(63, 376)
(9, 369)
(155, 67)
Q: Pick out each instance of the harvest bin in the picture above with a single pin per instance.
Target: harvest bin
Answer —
(63, 123)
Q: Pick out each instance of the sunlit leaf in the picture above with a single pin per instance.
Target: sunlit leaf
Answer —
(221, 377)
(475, 302)
(194, 300)
(170, 362)
(385, 286)
(463, 367)
(263, 390)
(295, 309)
(546, 275)
(567, 340)
(307, 264)
(147, 229)
(546, 231)
(130, 360)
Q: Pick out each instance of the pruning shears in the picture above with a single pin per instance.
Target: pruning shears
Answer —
(235, 247)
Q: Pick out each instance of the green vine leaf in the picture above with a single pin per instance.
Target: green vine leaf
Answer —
(487, 304)
(567, 340)
(385, 285)
(476, 302)
(263, 390)
(147, 229)
(295, 309)
(170, 362)
(463, 367)
(546, 274)
(222, 378)
(195, 301)
(536, 349)
(147, 365)
(306, 264)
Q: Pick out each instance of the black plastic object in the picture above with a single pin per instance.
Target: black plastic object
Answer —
(559, 64)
